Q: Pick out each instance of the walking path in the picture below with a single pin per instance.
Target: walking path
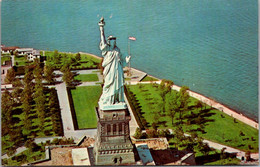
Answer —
(67, 121)
(65, 109)
(212, 103)
(133, 123)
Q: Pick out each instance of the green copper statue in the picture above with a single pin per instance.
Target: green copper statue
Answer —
(113, 90)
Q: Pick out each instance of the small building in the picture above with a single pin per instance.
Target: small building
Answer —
(8, 50)
(24, 51)
(33, 55)
(145, 154)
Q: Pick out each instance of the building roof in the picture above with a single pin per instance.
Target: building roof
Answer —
(36, 52)
(80, 156)
(9, 48)
(144, 153)
(24, 49)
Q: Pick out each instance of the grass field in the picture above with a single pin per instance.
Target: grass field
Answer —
(5, 58)
(229, 161)
(20, 60)
(219, 127)
(86, 61)
(86, 77)
(149, 78)
(85, 100)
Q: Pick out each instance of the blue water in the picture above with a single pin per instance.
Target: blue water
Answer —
(209, 45)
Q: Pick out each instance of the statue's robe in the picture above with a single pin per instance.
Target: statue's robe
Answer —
(113, 62)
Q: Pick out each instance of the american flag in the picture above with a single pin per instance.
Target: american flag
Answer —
(132, 38)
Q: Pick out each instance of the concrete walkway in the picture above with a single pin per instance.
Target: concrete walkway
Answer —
(67, 121)
(65, 109)
(133, 123)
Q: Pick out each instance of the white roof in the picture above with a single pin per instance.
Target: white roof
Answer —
(144, 153)
(24, 49)
(36, 52)
(80, 156)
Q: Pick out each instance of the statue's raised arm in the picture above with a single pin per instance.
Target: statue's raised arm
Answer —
(102, 33)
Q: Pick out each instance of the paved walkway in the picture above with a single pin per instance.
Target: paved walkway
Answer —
(65, 109)
(133, 123)
(136, 75)
(67, 121)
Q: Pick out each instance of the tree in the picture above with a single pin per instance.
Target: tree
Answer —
(78, 57)
(27, 97)
(199, 104)
(37, 71)
(10, 76)
(28, 85)
(39, 99)
(11, 151)
(17, 83)
(165, 87)
(171, 105)
(16, 93)
(48, 73)
(56, 57)
(138, 133)
(7, 104)
(183, 100)
(67, 74)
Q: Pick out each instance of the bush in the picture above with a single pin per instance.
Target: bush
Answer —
(164, 133)
(138, 133)
(11, 151)
(151, 133)
(4, 161)
(154, 125)
(55, 141)
(241, 133)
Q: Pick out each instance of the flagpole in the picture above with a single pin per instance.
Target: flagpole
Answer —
(129, 54)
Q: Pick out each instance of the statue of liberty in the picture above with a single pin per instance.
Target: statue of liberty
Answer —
(113, 63)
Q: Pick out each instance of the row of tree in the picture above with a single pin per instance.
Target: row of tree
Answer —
(30, 95)
(136, 109)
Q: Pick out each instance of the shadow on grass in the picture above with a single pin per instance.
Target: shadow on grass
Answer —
(16, 120)
(72, 108)
(17, 111)
(201, 160)
(163, 123)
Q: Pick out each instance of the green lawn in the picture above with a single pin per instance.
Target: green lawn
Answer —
(228, 161)
(5, 58)
(149, 78)
(85, 100)
(87, 77)
(20, 60)
(221, 129)
(86, 61)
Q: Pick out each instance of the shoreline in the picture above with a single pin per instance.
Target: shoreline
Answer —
(239, 116)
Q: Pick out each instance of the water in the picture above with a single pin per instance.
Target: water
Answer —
(209, 45)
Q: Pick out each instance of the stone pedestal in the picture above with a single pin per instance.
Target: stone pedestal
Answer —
(113, 145)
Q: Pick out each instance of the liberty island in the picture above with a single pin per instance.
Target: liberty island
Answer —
(87, 115)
